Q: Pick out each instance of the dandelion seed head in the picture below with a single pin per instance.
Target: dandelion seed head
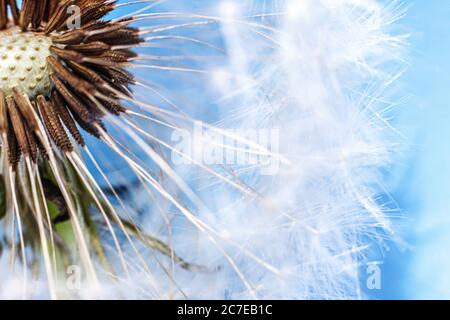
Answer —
(23, 62)
(298, 68)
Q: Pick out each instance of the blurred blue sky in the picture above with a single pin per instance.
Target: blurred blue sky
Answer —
(421, 179)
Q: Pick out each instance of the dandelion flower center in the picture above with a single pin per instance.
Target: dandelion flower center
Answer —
(23, 63)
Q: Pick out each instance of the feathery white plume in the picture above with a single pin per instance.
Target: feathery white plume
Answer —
(310, 82)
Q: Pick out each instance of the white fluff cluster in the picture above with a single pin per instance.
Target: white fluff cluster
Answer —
(316, 74)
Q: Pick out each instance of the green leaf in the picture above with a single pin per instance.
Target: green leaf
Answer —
(65, 230)
(53, 209)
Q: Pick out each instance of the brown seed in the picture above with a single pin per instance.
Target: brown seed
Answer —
(26, 14)
(67, 54)
(17, 123)
(14, 11)
(14, 152)
(69, 77)
(59, 16)
(75, 105)
(3, 14)
(26, 109)
(89, 74)
(66, 117)
(3, 114)
(91, 48)
(53, 124)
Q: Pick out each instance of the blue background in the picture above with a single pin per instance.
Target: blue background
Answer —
(421, 179)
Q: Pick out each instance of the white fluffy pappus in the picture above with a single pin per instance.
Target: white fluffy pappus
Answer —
(317, 74)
